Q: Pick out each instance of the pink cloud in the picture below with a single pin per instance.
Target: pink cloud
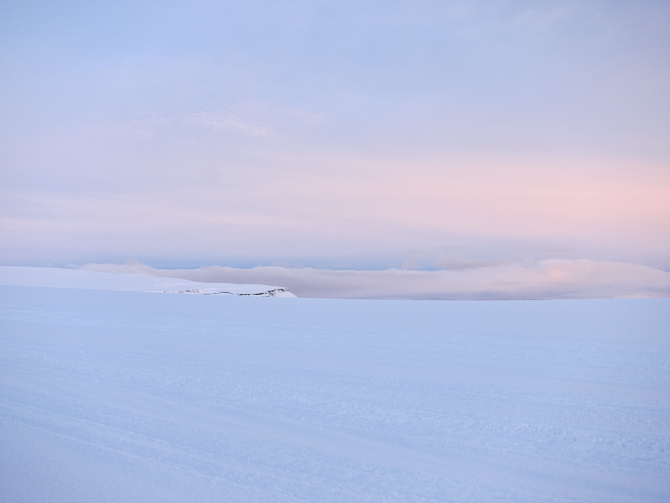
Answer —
(353, 207)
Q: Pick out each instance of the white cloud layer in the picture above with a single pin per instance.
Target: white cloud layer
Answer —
(545, 279)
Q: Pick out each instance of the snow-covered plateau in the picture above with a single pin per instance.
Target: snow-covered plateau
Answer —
(94, 280)
(126, 396)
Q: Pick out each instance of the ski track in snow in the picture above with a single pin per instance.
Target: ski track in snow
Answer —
(124, 397)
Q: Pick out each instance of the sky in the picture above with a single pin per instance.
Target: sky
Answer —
(495, 139)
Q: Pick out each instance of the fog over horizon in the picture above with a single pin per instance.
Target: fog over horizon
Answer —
(547, 279)
(481, 149)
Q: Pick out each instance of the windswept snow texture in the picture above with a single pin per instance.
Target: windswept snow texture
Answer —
(111, 396)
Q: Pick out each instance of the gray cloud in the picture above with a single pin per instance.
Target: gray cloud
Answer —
(545, 279)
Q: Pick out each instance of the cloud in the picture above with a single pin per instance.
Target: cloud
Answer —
(244, 215)
(194, 124)
(545, 279)
(324, 136)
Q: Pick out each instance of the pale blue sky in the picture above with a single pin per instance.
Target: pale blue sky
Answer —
(335, 134)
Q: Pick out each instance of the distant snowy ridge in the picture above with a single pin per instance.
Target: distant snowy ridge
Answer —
(275, 292)
(53, 277)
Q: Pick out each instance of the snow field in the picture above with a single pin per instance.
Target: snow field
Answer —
(125, 396)
(54, 277)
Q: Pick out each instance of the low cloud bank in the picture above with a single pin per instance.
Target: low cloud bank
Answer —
(545, 279)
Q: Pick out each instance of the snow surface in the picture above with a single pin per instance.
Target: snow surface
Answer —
(94, 280)
(111, 396)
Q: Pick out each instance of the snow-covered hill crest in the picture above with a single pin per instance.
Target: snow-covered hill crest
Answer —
(274, 292)
(94, 280)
